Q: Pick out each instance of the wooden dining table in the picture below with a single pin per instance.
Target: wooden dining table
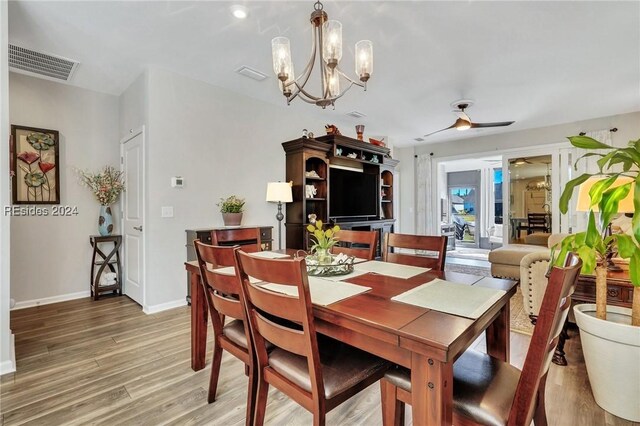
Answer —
(424, 340)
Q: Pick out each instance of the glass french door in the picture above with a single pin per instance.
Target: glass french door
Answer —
(463, 207)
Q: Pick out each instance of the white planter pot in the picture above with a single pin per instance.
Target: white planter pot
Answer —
(612, 354)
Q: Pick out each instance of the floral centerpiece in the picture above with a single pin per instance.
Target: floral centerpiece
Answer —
(231, 209)
(323, 239)
(106, 185)
(321, 262)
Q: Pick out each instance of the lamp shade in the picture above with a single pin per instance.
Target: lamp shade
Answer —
(279, 192)
(584, 200)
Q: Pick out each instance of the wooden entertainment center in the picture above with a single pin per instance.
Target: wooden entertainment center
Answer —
(310, 161)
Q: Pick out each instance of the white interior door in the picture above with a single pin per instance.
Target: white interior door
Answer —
(132, 150)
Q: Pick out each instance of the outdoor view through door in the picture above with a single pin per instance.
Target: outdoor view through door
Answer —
(463, 212)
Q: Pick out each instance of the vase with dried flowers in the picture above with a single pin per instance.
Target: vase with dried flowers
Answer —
(106, 185)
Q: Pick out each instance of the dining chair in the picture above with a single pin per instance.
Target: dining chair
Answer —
(435, 244)
(247, 238)
(317, 372)
(351, 243)
(224, 298)
(487, 391)
(538, 222)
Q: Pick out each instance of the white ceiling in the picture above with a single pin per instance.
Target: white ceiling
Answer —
(537, 62)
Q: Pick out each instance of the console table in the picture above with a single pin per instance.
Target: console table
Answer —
(111, 260)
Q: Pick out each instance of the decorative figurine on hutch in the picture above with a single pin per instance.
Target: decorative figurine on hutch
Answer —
(310, 191)
(360, 131)
(332, 129)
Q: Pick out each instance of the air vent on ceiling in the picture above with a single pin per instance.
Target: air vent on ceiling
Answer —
(251, 73)
(30, 62)
(419, 139)
(356, 114)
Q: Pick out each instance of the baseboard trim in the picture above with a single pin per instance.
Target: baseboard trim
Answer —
(9, 366)
(49, 300)
(164, 306)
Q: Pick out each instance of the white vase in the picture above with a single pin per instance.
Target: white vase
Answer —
(611, 350)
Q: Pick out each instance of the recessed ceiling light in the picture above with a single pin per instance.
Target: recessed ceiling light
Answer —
(239, 11)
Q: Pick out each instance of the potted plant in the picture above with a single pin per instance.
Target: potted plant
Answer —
(231, 209)
(106, 185)
(610, 335)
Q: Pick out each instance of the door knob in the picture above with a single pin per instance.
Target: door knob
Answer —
(138, 228)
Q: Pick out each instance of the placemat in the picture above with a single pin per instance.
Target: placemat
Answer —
(451, 298)
(270, 255)
(231, 270)
(323, 292)
(345, 276)
(390, 269)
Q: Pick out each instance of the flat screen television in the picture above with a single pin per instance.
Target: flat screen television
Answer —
(353, 194)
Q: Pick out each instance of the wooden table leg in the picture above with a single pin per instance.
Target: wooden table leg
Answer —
(497, 334)
(431, 391)
(199, 311)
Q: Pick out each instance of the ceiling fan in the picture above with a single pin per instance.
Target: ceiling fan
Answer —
(464, 122)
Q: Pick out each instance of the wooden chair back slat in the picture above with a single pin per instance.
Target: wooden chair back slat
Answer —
(348, 238)
(227, 306)
(225, 284)
(436, 244)
(287, 338)
(552, 315)
(288, 307)
(247, 238)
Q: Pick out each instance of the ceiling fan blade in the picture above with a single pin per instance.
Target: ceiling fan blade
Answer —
(496, 124)
(462, 114)
(441, 130)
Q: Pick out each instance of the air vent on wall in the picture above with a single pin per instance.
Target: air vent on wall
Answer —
(356, 114)
(251, 73)
(30, 62)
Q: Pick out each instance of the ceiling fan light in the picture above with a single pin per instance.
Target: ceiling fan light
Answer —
(462, 124)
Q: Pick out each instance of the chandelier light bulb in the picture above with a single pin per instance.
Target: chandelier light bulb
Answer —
(364, 59)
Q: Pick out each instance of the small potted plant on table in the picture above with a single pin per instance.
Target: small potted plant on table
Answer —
(231, 209)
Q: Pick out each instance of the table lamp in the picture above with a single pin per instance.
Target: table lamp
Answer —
(279, 192)
(624, 206)
(584, 200)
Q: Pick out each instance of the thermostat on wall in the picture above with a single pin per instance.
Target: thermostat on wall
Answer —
(177, 182)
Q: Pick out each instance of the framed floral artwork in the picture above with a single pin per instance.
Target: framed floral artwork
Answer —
(34, 158)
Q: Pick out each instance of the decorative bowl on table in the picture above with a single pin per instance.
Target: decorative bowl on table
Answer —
(376, 142)
(340, 264)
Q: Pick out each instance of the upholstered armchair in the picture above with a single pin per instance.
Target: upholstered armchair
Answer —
(533, 277)
(533, 280)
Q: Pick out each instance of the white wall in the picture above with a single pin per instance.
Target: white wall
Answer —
(51, 255)
(221, 143)
(7, 359)
(628, 126)
(133, 107)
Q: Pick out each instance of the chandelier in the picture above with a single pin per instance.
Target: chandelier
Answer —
(327, 46)
(543, 184)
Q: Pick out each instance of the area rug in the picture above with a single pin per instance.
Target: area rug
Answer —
(520, 322)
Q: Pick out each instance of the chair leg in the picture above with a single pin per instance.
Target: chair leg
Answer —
(251, 396)
(215, 372)
(540, 415)
(319, 418)
(246, 370)
(392, 407)
(558, 355)
(261, 402)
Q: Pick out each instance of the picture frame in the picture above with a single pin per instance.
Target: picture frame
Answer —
(35, 162)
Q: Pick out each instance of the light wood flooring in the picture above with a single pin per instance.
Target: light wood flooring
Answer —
(107, 363)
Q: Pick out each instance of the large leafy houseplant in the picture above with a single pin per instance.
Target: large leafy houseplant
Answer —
(595, 245)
